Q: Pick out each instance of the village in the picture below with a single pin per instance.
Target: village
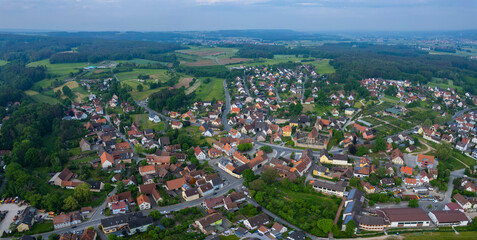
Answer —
(371, 154)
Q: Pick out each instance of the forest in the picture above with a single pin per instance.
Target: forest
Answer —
(15, 78)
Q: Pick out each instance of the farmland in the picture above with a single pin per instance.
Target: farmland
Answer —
(59, 70)
(212, 89)
(153, 74)
(208, 56)
(41, 98)
(185, 82)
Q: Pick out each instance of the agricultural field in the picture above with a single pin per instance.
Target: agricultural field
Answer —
(79, 91)
(185, 82)
(208, 56)
(41, 98)
(439, 235)
(139, 61)
(398, 122)
(60, 70)
(144, 123)
(322, 66)
(211, 90)
(439, 82)
(153, 74)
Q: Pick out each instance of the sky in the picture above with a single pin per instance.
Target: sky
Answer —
(185, 15)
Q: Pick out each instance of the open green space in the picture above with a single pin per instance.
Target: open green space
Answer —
(398, 122)
(60, 69)
(439, 235)
(41, 98)
(323, 66)
(3, 62)
(144, 123)
(139, 61)
(153, 74)
(295, 203)
(211, 90)
(38, 228)
(444, 83)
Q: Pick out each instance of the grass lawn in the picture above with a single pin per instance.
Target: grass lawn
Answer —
(467, 160)
(41, 98)
(439, 82)
(144, 123)
(153, 74)
(323, 66)
(3, 62)
(39, 228)
(229, 237)
(390, 99)
(440, 235)
(211, 90)
(138, 61)
(59, 69)
(45, 83)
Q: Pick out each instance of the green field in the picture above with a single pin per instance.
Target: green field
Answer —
(138, 61)
(211, 90)
(61, 69)
(41, 98)
(3, 62)
(323, 66)
(208, 52)
(144, 123)
(439, 82)
(153, 74)
(440, 235)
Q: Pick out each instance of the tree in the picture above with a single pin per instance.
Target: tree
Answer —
(413, 203)
(379, 145)
(55, 236)
(140, 88)
(473, 224)
(259, 197)
(120, 187)
(444, 151)
(427, 122)
(325, 225)
(248, 175)
(362, 150)
(82, 192)
(156, 215)
(391, 91)
(257, 185)
(355, 181)
(174, 159)
(266, 149)
(70, 204)
(398, 181)
(269, 176)
(292, 155)
(244, 147)
(350, 227)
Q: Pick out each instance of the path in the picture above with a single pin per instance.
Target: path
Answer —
(338, 213)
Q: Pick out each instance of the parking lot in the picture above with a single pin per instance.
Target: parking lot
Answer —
(12, 211)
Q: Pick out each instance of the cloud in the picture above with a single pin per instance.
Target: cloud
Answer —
(212, 2)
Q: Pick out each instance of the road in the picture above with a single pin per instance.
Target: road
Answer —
(244, 82)
(227, 107)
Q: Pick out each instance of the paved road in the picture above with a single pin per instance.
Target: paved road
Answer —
(244, 83)
(227, 107)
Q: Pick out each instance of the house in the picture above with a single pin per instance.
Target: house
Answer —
(453, 206)
(66, 220)
(85, 145)
(339, 159)
(324, 157)
(425, 161)
(333, 188)
(397, 157)
(371, 223)
(404, 217)
(89, 234)
(349, 111)
(321, 171)
(154, 118)
(26, 219)
(190, 194)
(119, 207)
(147, 170)
(367, 187)
(406, 170)
(387, 182)
(287, 131)
(107, 160)
(411, 182)
(176, 125)
(199, 154)
(257, 221)
(296, 235)
(462, 201)
(86, 210)
(206, 189)
(175, 184)
(150, 189)
(449, 218)
(143, 202)
(126, 224)
(206, 224)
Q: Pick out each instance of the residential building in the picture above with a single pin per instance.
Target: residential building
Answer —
(257, 221)
(206, 224)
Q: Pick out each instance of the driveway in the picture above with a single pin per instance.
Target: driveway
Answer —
(12, 211)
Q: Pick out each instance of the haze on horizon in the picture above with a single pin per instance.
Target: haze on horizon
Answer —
(183, 15)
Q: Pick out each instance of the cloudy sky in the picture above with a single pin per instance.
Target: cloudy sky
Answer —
(171, 15)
